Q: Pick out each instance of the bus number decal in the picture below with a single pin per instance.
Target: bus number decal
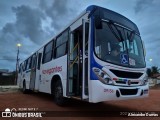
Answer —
(108, 90)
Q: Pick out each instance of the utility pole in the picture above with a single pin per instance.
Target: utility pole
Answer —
(17, 63)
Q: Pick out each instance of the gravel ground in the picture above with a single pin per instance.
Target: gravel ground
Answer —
(8, 89)
(44, 102)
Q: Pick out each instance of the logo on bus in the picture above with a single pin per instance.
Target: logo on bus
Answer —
(52, 70)
(129, 82)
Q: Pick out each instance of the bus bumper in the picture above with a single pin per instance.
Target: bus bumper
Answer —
(101, 92)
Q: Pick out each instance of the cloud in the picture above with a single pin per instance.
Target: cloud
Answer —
(26, 29)
(59, 12)
(29, 23)
(32, 27)
(142, 4)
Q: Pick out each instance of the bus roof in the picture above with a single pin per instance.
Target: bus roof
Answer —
(114, 16)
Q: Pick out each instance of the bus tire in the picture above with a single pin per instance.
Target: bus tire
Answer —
(24, 90)
(58, 94)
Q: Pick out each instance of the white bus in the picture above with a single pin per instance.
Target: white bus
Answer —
(99, 57)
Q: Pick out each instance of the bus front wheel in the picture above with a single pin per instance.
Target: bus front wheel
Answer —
(58, 94)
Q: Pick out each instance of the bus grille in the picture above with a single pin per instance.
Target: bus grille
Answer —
(125, 83)
(126, 74)
(121, 82)
(128, 91)
(134, 83)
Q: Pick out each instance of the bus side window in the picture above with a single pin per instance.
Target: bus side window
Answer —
(24, 65)
(29, 63)
(33, 63)
(47, 53)
(61, 45)
(19, 71)
(39, 60)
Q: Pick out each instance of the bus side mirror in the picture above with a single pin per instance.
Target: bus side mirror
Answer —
(144, 48)
(98, 22)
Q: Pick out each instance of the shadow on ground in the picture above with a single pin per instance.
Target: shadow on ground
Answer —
(79, 105)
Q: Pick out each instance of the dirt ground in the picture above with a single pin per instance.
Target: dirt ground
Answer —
(44, 102)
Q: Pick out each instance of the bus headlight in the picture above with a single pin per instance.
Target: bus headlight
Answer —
(145, 80)
(103, 77)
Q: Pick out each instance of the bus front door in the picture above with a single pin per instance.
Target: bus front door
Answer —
(77, 82)
(85, 59)
(73, 82)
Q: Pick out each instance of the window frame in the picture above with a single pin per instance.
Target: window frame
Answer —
(34, 60)
(28, 65)
(24, 65)
(62, 43)
(44, 54)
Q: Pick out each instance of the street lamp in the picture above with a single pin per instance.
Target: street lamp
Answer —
(19, 45)
(17, 62)
(150, 59)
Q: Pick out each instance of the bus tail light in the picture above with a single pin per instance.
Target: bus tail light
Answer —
(103, 77)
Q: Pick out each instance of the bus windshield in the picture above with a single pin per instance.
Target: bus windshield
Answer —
(118, 45)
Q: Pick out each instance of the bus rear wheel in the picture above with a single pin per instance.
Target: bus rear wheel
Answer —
(58, 94)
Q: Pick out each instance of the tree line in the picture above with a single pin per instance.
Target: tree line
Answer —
(153, 71)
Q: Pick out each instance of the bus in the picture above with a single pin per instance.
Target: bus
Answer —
(98, 57)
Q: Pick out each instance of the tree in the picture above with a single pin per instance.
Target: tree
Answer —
(155, 70)
(149, 72)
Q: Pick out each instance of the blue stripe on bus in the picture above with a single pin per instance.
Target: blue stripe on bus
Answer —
(91, 7)
(93, 63)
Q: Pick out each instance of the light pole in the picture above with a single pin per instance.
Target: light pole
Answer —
(17, 62)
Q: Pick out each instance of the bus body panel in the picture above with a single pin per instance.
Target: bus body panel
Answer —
(78, 22)
(57, 66)
(103, 92)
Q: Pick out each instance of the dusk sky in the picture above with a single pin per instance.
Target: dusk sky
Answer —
(33, 22)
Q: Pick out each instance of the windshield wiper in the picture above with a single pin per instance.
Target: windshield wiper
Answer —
(131, 36)
(114, 33)
(112, 30)
(119, 36)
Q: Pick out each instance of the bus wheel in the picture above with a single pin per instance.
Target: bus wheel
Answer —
(24, 90)
(58, 94)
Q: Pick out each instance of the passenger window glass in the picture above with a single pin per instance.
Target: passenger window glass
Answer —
(34, 61)
(47, 55)
(61, 45)
(28, 63)
(62, 39)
